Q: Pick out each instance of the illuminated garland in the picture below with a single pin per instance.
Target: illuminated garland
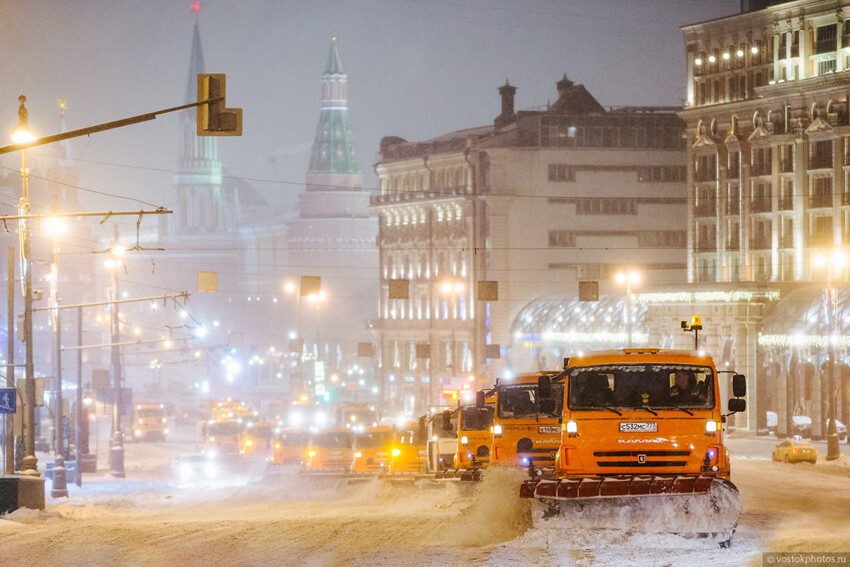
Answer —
(706, 297)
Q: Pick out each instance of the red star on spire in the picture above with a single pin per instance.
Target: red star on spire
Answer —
(195, 6)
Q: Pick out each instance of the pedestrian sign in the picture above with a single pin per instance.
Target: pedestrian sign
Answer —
(8, 400)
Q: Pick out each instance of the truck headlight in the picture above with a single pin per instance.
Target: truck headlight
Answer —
(711, 427)
(311, 453)
(464, 440)
(497, 430)
(358, 455)
(571, 427)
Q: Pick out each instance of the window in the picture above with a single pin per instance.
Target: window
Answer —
(562, 239)
(825, 39)
(783, 46)
(821, 196)
(560, 172)
(606, 206)
(820, 155)
(795, 43)
(662, 239)
(662, 174)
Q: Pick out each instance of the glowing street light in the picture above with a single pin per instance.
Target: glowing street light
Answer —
(56, 227)
(116, 446)
(629, 278)
(832, 262)
(22, 134)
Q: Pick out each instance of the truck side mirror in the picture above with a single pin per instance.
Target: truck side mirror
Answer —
(544, 387)
(737, 405)
(480, 400)
(447, 420)
(739, 386)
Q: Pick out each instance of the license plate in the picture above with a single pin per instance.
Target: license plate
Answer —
(549, 429)
(639, 426)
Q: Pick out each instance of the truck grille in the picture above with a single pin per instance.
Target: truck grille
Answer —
(632, 458)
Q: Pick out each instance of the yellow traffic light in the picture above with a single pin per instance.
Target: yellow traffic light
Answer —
(214, 119)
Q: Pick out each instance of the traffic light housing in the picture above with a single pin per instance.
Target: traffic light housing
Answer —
(214, 118)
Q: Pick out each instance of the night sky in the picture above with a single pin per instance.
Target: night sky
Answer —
(416, 69)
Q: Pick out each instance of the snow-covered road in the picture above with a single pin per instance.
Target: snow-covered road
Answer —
(145, 519)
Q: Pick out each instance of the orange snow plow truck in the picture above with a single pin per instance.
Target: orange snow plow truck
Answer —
(642, 446)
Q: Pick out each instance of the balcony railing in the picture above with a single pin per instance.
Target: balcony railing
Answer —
(820, 201)
(760, 169)
(759, 243)
(706, 245)
(760, 205)
(705, 210)
(705, 175)
(820, 162)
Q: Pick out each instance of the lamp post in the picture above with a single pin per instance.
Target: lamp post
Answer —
(628, 277)
(56, 227)
(835, 261)
(451, 289)
(22, 134)
(116, 445)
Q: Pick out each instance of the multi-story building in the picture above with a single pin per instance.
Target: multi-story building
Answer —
(536, 202)
(769, 175)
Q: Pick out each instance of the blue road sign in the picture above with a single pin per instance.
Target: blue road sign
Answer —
(8, 400)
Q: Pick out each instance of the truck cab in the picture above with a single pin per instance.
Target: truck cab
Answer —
(150, 422)
(474, 435)
(524, 433)
(373, 449)
(645, 411)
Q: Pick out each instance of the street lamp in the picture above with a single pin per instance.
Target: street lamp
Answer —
(451, 289)
(116, 445)
(56, 227)
(834, 262)
(628, 277)
(21, 135)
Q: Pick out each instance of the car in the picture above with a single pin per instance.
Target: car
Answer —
(795, 450)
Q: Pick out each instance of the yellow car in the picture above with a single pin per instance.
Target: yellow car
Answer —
(795, 451)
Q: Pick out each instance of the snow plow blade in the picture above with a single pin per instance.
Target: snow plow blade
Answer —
(464, 475)
(690, 506)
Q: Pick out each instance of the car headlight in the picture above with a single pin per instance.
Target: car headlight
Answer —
(464, 440)
(571, 427)
(497, 429)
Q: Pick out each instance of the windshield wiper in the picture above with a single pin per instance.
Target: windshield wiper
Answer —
(687, 411)
(646, 408)
(604, 407)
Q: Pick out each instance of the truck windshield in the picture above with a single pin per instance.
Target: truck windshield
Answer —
(150, 412)
(655, 386)
(296, 439)
(374, 439)
(333, 439)
(474, 418)
(224, 428)
(522, 401)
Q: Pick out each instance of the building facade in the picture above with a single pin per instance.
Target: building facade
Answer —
(769, 177)
(477, 225)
